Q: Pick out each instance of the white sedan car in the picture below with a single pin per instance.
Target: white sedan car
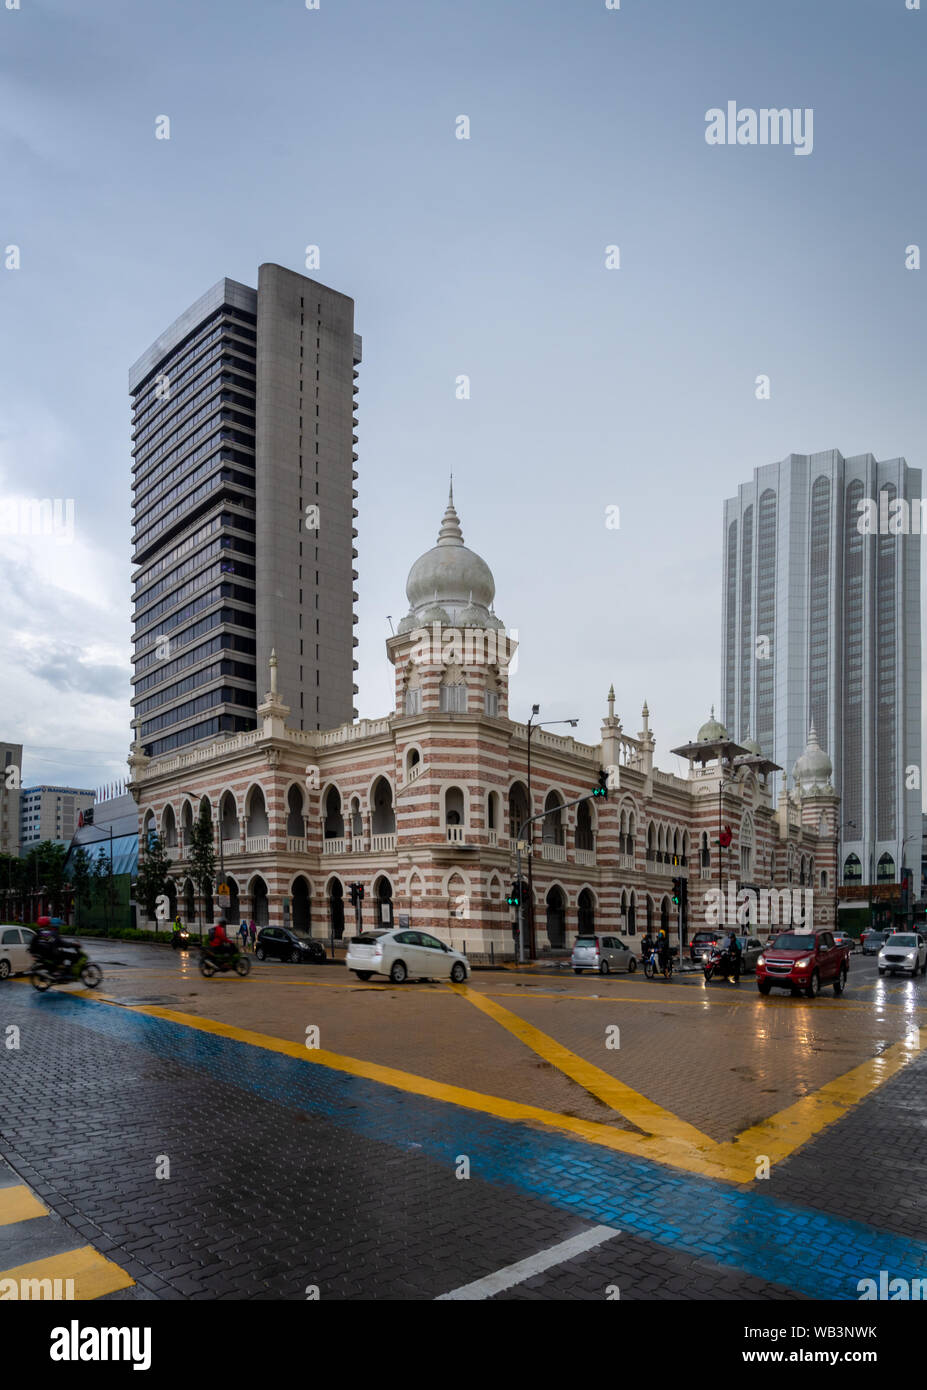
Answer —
(904, 951)
(14, 949)
(403, 953)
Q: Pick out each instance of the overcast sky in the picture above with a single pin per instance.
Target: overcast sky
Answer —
(591, 388)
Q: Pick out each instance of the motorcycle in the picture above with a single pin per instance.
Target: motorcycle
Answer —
(180, 940)
(211, 964)
(44, 974)
(653, 968)
(720, 962)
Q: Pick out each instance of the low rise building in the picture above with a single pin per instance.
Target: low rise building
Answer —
(51, 813)
(427, 807)
(11, 764)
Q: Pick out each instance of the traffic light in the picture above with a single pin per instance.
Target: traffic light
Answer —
(360, 892)
(512, 899)
(677, 891)
(602, 788)
(354, 895)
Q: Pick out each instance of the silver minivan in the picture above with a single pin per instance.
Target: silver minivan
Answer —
(602, 953)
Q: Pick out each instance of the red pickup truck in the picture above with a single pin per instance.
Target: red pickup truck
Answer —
(803, 962)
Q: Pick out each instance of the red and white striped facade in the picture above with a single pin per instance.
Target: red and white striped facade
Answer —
(423, 809)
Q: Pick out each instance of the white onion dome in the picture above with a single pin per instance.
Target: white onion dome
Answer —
(753, 747)
(711, 731)
(452, 578)
(814, 768)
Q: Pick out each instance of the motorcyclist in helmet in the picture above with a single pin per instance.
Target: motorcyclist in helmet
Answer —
(49, 947)
(218, 942)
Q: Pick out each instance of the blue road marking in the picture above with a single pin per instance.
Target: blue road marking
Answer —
(809, 1252)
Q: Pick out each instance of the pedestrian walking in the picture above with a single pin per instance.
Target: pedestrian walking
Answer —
(243, 933)
(252, 929)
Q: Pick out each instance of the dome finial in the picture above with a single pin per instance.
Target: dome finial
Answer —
(450, 533)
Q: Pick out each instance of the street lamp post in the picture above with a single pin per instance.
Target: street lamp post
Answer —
(840, 827)
(909, 911)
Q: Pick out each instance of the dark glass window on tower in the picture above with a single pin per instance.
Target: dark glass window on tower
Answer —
(765, 645)
(854, 675)
(194, 429)
(885, 734)
(730, 632)
(746, 622)
(819, 581)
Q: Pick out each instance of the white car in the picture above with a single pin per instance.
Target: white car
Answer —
(402, 953)
(904, 951)
(14, 949)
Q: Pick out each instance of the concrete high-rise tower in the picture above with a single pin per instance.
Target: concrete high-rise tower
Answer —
(243, 492)
(822, 626)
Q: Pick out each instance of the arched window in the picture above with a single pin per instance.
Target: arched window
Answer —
(383, 816)
(453, 695)
(413, 764)
(552, 824)
(852, 869)
(334, 820)
(518, 809)
(384, 899)
(584, 835)
(885, 870)
(746, 848)
(228, 817)
(169, 822)
(302, 905)
(556, 916)
(454, 813)
(295, 826)
(257, 814)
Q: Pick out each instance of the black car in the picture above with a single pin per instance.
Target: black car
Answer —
(280, 943)
(873, 941)
(703, 941)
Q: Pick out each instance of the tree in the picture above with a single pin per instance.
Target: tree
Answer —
(153, 870)
(44, 872)
(12, 880)
(104, 889)
(81, 875)
(202, 855)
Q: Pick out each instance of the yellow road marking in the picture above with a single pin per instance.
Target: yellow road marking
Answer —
(724, 1003)
(18, 1203)
(660, 1148)
(93, 1274)
(781, 1134)
(649, 1117)
(734, 1161)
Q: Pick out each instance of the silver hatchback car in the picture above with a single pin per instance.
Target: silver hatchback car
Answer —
(602, 953)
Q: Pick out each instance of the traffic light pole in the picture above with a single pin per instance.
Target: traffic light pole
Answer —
(521, 905)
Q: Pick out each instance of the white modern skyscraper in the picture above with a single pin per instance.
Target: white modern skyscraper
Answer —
(822, 623)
